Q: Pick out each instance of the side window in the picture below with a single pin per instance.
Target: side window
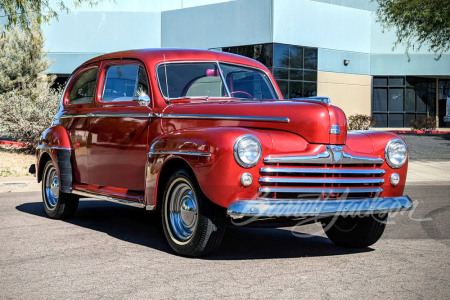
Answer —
(83, 90)
(124, 83)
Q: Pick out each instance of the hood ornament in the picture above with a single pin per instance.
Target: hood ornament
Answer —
(336, 153)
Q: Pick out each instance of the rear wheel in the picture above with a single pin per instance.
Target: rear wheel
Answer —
(57, 205)
(193, 225)
(356, 232)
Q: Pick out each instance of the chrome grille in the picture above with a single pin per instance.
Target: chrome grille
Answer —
(328, 175)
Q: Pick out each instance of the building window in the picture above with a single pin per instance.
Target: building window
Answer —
(444, 100)
(397, 100)
(294, 67)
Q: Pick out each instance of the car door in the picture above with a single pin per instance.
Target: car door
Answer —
(78, 102)
(117, 139)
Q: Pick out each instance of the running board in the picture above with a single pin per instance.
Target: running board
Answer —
(112, 199)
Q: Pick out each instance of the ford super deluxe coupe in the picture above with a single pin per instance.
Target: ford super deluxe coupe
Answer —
(204, 138)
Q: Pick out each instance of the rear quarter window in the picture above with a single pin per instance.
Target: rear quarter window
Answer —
(83, 89)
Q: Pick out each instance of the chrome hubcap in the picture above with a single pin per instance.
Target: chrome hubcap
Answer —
(183, 210)
(51, 187)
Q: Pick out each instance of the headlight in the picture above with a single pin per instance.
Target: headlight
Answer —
(247, 151)
(396, 153)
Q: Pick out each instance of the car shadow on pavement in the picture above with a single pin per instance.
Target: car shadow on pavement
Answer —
(140, 227)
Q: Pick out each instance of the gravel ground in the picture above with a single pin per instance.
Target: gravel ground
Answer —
(428, 147)
(14, 163)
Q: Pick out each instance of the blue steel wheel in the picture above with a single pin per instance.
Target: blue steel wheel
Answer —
(193, 225)
(51, 187)
(57, 205)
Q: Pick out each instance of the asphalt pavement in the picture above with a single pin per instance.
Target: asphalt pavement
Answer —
(112, 251)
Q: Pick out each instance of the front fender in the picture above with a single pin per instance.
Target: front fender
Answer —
(379, 141)
(209, 154)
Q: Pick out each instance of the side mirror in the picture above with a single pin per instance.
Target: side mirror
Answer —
(143, 99)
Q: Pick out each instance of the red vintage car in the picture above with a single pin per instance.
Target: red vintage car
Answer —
(204, 137)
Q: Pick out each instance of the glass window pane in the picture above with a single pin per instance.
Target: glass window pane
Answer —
(190, 79)
(295, 74)
(380, 81)
(281, 73)
(310, 58)
(410, 101)
(396, 81)
(408, 119)
(283, 85)
(295, 89)
(281, 55)
(310, 75)
(264, 54)
(396, 99)
(395, 120)
(309, 89)
(245, 82)
(379, 99)
(381, 120)
(83, 90)
(296, 57)
(120, 83)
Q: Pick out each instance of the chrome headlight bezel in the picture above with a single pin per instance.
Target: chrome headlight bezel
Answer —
(387, 153)
(245, 162)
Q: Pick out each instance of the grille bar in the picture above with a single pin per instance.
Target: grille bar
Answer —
(323, 171)
(319, 190)
(331, 155)
(320, 180)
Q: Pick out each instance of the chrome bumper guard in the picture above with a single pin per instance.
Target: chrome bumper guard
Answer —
(298, 208)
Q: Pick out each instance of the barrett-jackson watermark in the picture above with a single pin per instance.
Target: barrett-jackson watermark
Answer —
(310, 211)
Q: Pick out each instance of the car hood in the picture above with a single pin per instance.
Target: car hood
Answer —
(311, 120)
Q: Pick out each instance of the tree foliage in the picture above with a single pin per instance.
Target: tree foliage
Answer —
(22, 62)
(29, 14)
(417, 23)
(27, 101)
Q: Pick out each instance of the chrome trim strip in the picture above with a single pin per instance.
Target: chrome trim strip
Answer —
(321, 158)
(329, 156)
(225, 117)
(318, 190)
(325, 100)
(324, 171)
(319, 180)
(45, 147)
(111, 115)
(67, 116)
(121, 115)
(108, 198)
(178, 152)
(317, 208)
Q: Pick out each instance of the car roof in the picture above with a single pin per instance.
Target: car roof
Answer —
(156, 56)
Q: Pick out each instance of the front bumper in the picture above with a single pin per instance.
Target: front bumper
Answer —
(298, 208)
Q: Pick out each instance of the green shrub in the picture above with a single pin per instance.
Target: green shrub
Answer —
(24, 118)
(425, 124)
(360, 122)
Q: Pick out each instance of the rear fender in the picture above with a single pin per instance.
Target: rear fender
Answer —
(55, 145)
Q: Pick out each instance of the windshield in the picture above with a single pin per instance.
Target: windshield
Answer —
(213, 80)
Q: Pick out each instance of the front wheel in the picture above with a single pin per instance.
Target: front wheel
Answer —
(57, 205)
(193, 226)
(355, 232)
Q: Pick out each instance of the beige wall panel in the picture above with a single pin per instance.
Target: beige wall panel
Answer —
(350, 92)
